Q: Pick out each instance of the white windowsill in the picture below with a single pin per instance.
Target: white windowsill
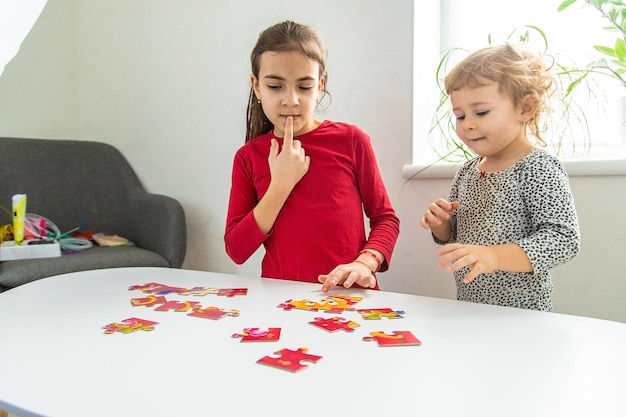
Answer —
(574, 168)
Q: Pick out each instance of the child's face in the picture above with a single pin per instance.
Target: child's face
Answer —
(487, 121)
(288, 85)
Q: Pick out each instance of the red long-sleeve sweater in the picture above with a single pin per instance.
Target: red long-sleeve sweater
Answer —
(321, 224)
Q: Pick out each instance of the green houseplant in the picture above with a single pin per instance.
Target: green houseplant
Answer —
(575, 81)
(612, 61)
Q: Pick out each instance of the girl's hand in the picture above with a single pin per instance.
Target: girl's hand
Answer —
(291, 163)
(438, 212)
(347, 275)
(480, 259)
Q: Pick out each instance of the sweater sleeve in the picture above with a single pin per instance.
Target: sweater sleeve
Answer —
(383, 221)
(242, 236)
(556, 236)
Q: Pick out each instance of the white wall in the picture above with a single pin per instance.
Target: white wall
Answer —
(167, 83)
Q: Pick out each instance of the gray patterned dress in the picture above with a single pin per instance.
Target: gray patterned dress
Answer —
(530, 204)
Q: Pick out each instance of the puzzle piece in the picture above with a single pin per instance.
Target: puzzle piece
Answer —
(201, 291)
(196, 291)
(156, 288)
(338, 303)
(130, 325)
(231, 292)
(179, 306)
(144, 287)
(334, 324)
(148, 301)
(213, 313)
(328, 304)
(289, 360)
(300, 305)
(348, 298)
(162, 289)
(378, 313)
(398, 338)
(253, 334)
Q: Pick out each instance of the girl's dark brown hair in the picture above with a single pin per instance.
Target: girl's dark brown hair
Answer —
(286, 36)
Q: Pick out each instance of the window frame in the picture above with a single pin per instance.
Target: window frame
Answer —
(428, 38)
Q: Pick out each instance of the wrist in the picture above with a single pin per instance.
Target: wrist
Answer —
(367, 265)
(372, 258)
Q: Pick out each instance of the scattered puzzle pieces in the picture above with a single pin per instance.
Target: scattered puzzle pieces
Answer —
(289, 360)
(378, 313)
(162, 289)
(130, 325)
(253, 334)
(193, 307)
(398, 338)
(334, 324)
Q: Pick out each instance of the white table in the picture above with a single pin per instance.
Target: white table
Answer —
(475, 360)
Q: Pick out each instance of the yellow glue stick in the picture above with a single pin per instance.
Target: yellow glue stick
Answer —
(19, 214)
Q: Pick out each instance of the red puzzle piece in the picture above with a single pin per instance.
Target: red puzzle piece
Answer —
(231, 292)
(255, 335)
(213, 313)
(289, 360)
(159, 289)
(144, 287)
(335, 323)
(180, 306)
(398, 338)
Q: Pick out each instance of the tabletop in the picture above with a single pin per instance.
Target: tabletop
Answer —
(58, 360)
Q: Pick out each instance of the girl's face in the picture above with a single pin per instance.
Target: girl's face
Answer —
(288, 85)
(488, 122)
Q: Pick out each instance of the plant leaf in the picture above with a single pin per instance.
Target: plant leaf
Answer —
(619, 63)
(572, 86)
(565, 4)
(605, 50)
(620, 49)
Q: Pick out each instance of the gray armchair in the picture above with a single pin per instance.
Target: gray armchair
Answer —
(74, 183)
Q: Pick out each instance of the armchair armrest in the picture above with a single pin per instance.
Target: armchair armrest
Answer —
(157, 223)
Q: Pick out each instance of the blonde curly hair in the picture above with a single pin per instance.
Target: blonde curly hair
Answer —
(519, 73)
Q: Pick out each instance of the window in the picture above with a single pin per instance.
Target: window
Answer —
(439, 26)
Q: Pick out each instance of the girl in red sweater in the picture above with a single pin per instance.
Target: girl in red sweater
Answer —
(301, 186)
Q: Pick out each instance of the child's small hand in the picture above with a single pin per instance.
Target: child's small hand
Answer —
(347, 275)
(291, 163)
(438, 212)
(480, 259)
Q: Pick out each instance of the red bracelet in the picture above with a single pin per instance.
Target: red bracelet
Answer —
(373, 255)
(368, 267)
